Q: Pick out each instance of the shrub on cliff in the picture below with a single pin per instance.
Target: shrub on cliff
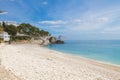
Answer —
(11, 29)
(21, 38)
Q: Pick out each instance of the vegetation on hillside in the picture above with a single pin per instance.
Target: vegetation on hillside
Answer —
(11, 29)
(33, 31)
(28, 31)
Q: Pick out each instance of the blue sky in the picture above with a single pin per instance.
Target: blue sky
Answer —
(74, 19)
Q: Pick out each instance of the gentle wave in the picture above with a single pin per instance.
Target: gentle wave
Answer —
(102, 50)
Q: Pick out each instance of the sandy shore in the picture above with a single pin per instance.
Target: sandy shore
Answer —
(32, 62)
(7, 75)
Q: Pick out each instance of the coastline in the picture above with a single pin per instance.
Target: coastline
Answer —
(38, 62)
(79, 56)
(97, 62)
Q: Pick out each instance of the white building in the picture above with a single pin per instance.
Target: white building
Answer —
(9, 23)
(5, 36)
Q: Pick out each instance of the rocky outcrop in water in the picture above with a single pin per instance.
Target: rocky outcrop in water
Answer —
(53, 40)
(59, 42)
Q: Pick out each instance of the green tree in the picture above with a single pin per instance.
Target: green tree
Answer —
(34, 31)
(24, 28)
(11, 29)
(3, 24)
(31, 30)
(44, 33)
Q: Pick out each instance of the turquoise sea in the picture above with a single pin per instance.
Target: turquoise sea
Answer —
(101, 50)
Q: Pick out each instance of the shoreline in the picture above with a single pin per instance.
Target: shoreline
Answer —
(88, 59)
(37, 62)
(85, 57)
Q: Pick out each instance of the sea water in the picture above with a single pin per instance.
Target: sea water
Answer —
(101, 50)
